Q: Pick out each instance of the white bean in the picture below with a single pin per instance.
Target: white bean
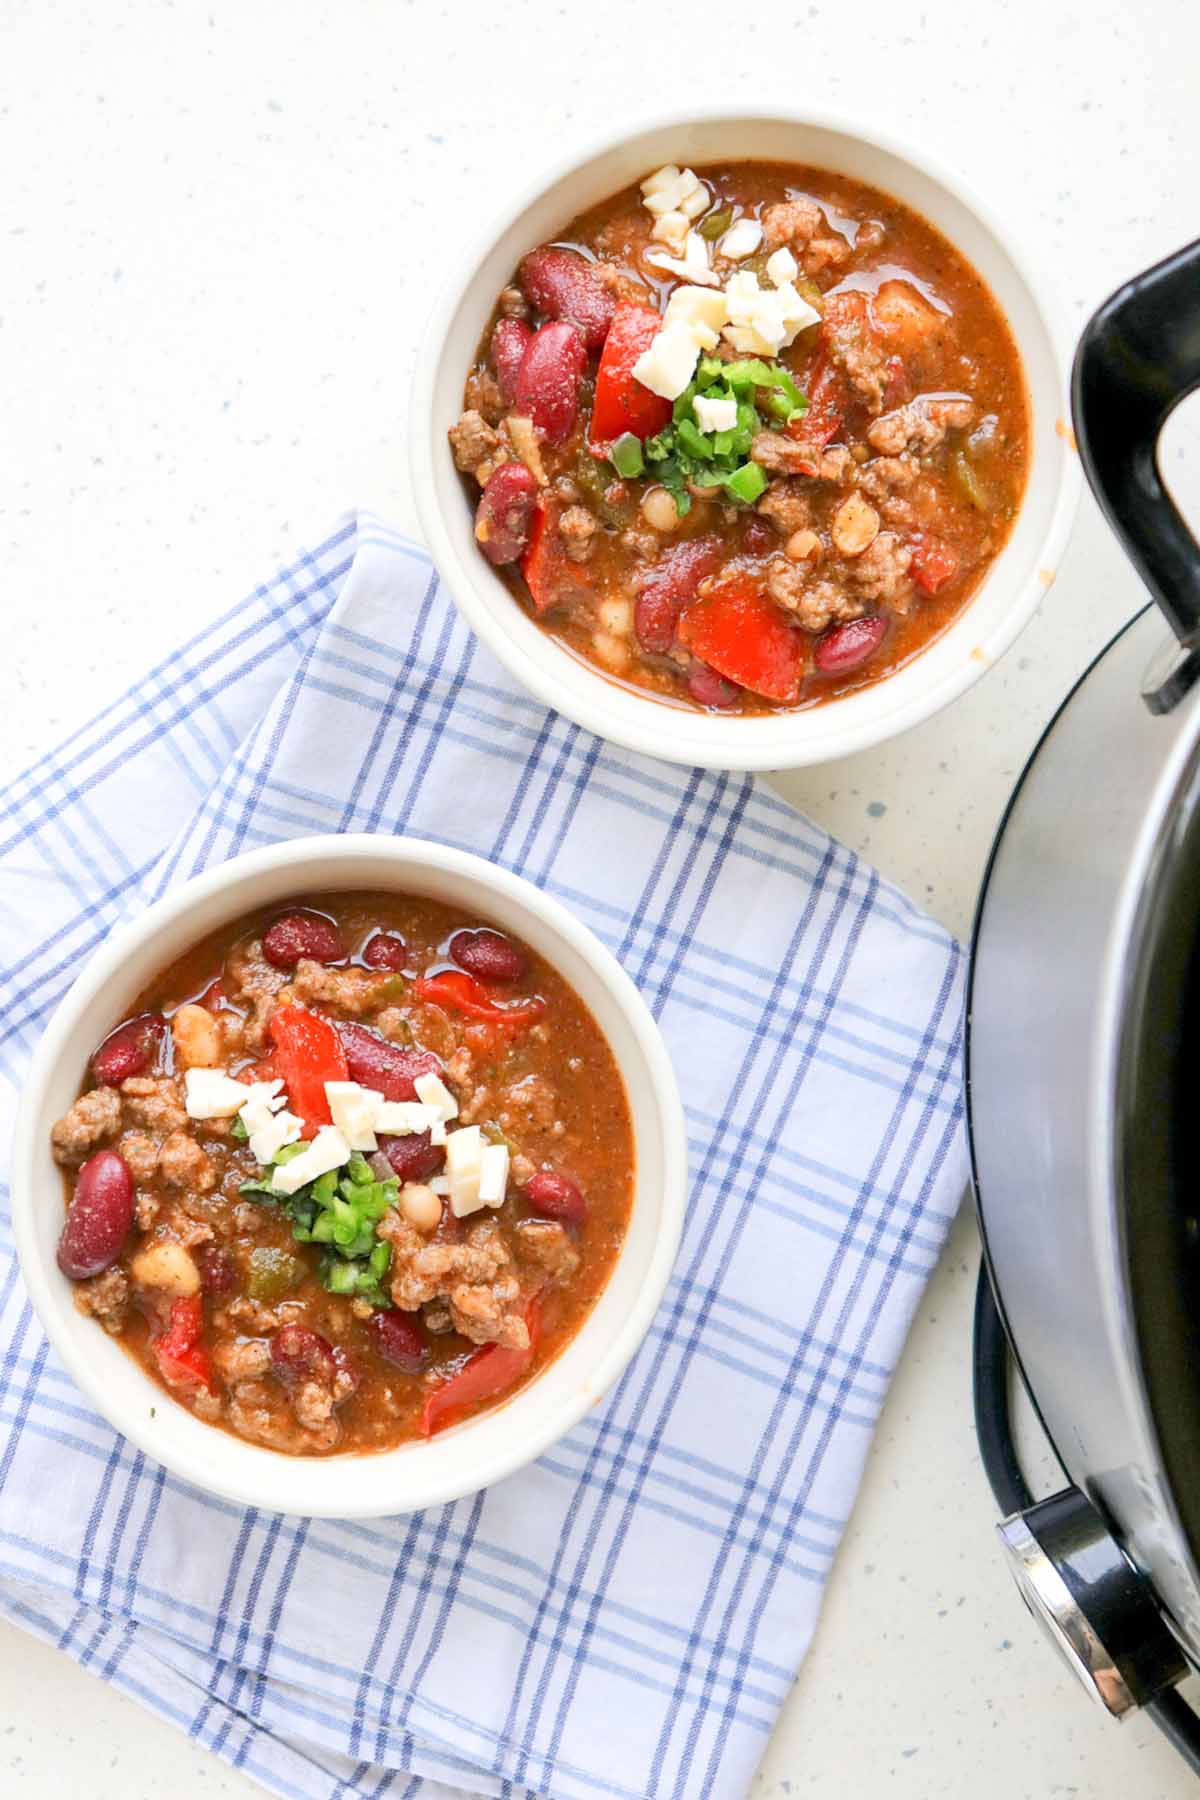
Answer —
(420, 1206)
(168, 1267)
(855, 525)
(616, 616)
(197, 1038)
(803, 546)
(658, 510)
(613, 652)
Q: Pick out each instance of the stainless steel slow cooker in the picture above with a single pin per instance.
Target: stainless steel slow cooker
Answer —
(1084, 1078)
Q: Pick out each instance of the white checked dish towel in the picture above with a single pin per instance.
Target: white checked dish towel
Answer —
(624, 1618)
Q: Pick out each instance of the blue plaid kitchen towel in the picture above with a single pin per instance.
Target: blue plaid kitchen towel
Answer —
(625, 1617)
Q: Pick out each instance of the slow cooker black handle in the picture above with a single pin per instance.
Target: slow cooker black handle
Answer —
(1139, 356)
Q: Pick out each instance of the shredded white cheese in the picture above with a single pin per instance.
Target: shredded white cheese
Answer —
(352, 1108)
(212, 1094)
(464, 1161)
(741, 240)
(782, 266)
(694, 264)
(715, 415)
(328, 1150)
(432, 1091)
(493, 1174)
(667, 364)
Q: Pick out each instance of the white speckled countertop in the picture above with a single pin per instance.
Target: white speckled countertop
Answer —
(218, 225)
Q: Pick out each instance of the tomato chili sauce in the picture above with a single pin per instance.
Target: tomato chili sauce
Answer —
(803, 542)
(462, 1173)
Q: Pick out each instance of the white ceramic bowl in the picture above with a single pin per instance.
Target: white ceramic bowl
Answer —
(1006, 599)
(468, 1456)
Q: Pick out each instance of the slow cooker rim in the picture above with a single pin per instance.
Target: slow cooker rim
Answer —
(969, 1002)
(1110, 1052)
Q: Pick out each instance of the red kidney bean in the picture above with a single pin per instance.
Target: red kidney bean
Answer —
(664, 589)
(298, 1354)
(98, 1218)
(562, 285)
(129, 1050)
(556, 1196)
(398, 1340)
(385, 951)
(845, 647)
(504, 515)
(759, 538)
(488, 956)
(412, 1157)
(301, 934)
(510, 340)
(217, 1273)
(707, 688)
(386, 1067)
(548, 382)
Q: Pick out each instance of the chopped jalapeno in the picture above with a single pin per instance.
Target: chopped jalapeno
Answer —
(272, 1273)
(746, 483)
(716, 224)
(627, 456)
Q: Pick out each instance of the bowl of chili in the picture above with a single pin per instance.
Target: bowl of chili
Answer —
(311, 937)
(799, 552)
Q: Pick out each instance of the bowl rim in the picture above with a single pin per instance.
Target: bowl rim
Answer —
(274, 1481)
(678, 734)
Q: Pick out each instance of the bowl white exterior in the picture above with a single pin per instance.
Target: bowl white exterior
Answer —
(469, 1456)
(1006, 599)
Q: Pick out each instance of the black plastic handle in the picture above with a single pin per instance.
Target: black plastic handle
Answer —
(1139, 356)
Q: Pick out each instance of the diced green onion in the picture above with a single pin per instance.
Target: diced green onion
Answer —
(237, 1129)
(627, 456)
(723, 443)
(787, 387)
(694, 441)
(340, 1277)
(716, 224)
(709, 369)
(656, 448)
(746, 483)
(683, 405)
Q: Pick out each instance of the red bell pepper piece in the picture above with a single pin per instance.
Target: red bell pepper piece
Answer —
(828, 400)
(182, 1359)
(933, 564)
(621, 403)
(898, 388)
(308, 1053)
(491, 1371)
(549, 573)
(740, 633)
(456, 991)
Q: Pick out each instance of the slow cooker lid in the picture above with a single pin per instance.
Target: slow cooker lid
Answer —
(1157, 1151)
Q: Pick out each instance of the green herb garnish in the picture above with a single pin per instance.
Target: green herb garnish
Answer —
(683, 453)
(340, 1210)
